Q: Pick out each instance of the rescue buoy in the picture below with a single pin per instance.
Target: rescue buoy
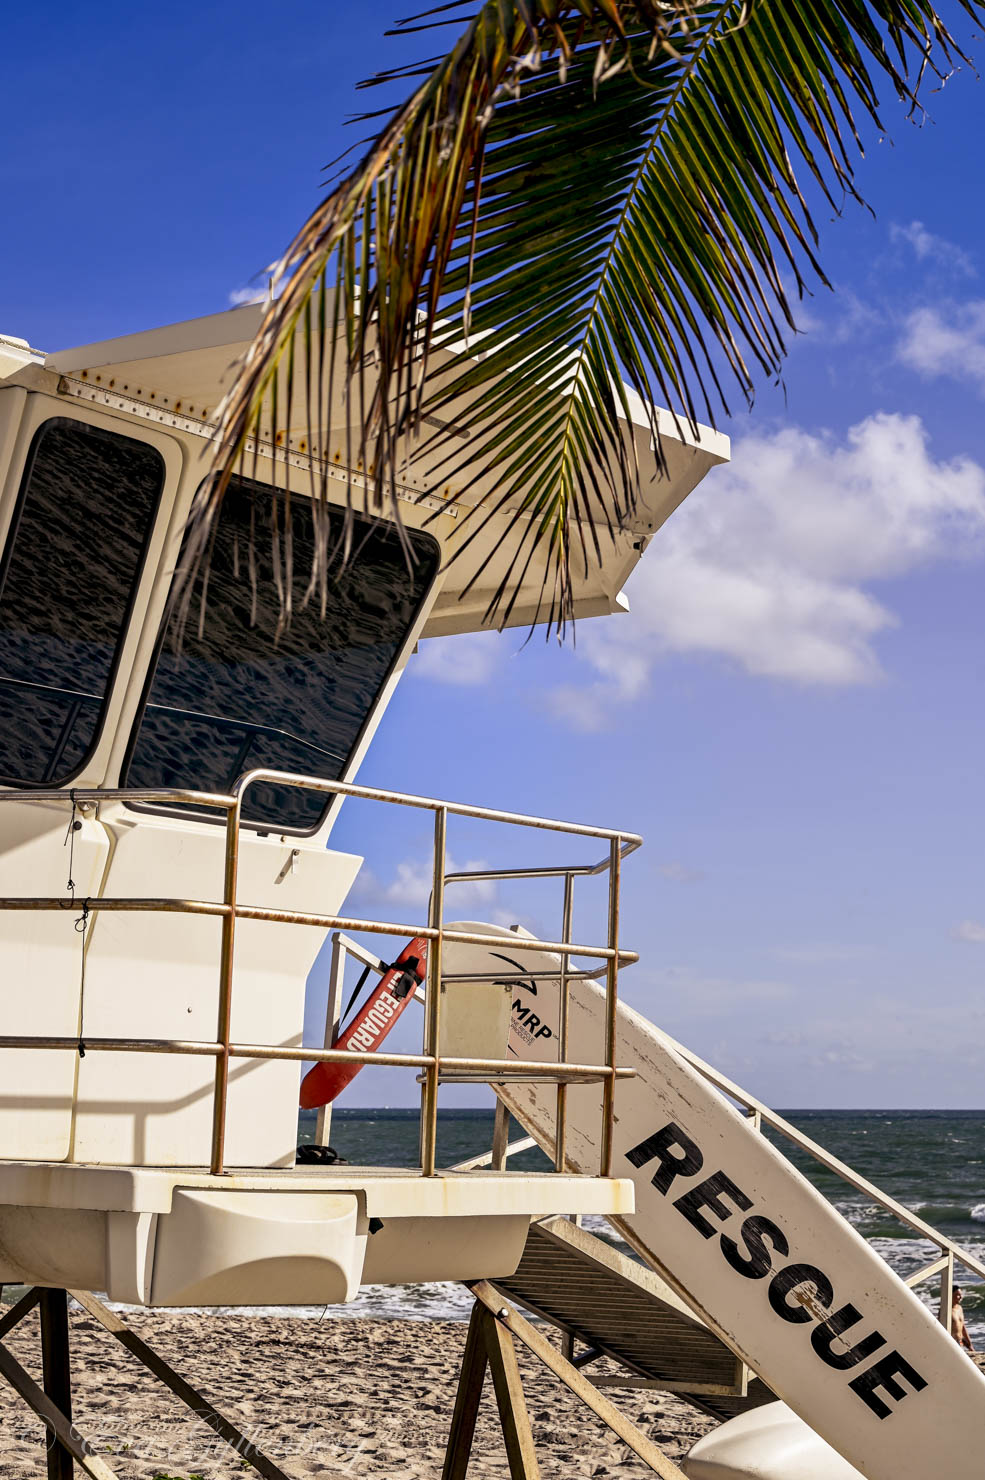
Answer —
(367, 1030)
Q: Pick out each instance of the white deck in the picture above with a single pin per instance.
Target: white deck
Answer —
(387, 1192)
(285, 1237)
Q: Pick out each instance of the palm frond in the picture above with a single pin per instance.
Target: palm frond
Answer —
(594, 192)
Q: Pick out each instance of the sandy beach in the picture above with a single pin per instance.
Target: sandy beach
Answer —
(352, 1397)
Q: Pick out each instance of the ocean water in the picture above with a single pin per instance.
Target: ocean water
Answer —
(931, 1161)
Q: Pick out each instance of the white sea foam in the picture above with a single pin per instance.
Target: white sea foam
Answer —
(444, 1300)
(602, 1228)
(978, 1213)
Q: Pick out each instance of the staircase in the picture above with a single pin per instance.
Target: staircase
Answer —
(619, 1309)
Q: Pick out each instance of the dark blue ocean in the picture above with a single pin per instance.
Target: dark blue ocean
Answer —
(931, 1161)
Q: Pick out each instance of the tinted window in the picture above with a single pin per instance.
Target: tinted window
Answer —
(239, 694)
(67, 579)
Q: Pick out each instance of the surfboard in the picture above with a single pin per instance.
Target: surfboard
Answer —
(391, 996)
(771, 1443)
(758, 1253)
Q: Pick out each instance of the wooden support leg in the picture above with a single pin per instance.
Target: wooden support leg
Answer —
(512, 1404)
(489, 1344)
(470, 1382)
(57, 1375)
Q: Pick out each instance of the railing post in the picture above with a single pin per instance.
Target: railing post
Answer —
(611, 1006)
(501, 1137)
(333, 1008)
(560, 1126)
(429, 1093)
(947, 1288)
(223, 1029)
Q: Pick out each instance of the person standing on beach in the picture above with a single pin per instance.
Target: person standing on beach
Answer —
(958, 1328)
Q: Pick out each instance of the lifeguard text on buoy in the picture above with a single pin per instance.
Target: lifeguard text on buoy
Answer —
(367, 1030)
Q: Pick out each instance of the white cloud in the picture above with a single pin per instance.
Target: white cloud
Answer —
(684, 992)
(947, 342)
(469, 660)
(768, 563)
(821, 954)
(842, 318)
(933, 249)
(410, 889)
(971, 931)
(679, 872)
(887, 1035)
(239, 296)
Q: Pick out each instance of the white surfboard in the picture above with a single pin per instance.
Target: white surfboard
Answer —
(758, 1253)
(771, 1443)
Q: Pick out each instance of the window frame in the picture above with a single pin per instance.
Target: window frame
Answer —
(269, 829)
(8, 536)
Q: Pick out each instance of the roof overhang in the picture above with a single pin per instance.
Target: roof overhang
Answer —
(185, 369)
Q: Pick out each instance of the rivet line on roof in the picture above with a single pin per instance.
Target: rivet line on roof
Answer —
(408, 492)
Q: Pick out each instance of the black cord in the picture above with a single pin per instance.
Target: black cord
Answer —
(73, 827)
(406, 982)
(359, 986)
(81, 925)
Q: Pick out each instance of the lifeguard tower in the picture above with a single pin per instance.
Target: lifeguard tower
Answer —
(167, 877)
(166, 865)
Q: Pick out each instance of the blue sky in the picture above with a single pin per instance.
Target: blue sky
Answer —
(792, 715)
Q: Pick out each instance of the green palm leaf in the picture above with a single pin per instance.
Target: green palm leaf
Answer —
(592, 192)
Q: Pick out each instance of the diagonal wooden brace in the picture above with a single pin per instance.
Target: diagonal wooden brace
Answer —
(510, 1320)
(17, 1312)
(190, 1396)
(53, 1418)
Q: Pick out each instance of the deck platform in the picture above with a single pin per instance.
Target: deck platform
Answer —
(297, 1236)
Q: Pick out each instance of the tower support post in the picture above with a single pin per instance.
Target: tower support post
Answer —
(490, 1342)
(57, 1375)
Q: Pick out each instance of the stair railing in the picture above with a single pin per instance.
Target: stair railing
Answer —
(759, 1114)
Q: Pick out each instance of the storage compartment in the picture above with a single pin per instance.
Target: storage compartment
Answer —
(258, 1248)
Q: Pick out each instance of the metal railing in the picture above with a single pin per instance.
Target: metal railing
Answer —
(760, 1115)
(618, 850)
(229, 910)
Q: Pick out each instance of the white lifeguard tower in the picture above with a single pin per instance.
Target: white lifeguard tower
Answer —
(167, 878)
(166, 867)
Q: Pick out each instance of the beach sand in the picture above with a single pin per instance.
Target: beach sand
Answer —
(351, 1396)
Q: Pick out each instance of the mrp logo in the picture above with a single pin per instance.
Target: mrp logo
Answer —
(527, 1022)
(800, 1294)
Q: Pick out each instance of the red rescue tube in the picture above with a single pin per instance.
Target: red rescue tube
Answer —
(370, 1025)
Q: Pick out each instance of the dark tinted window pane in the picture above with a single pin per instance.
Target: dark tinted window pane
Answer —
(67, 579)
(240, 696)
